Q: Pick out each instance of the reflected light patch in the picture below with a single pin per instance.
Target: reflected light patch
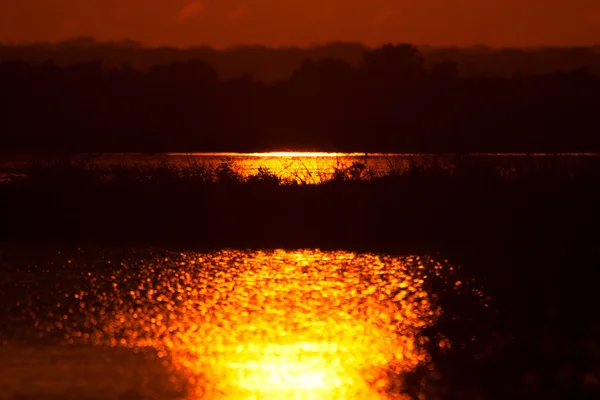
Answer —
(279, 324)
(288, 368)
(297, 154)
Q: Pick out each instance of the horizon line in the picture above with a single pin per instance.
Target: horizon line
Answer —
(128, 42)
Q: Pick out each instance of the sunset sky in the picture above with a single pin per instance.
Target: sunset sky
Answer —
(303, 22)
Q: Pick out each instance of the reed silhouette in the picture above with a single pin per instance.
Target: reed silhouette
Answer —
(539, 200)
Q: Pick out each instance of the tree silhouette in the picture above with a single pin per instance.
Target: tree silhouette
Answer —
(392, 102)
(393, 63)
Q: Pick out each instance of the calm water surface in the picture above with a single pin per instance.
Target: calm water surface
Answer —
(303, 324)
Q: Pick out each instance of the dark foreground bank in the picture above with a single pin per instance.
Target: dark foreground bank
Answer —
(470, 202)
(530, 241)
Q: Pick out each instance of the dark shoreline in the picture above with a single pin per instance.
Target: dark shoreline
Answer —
(534, 226)
(531, 242)
(218, 206)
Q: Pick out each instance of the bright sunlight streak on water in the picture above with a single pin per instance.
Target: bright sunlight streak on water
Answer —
(256, 325)
(296, 154)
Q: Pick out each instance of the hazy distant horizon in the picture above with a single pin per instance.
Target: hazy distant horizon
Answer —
(224, 23)
(85, 41)
(270, 64)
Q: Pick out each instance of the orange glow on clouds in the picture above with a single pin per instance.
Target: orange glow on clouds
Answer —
(239, 13)
(191, 10)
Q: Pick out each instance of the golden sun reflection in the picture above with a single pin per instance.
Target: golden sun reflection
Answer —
(299, 154)
(267, 325)
(288, 368)
(302, 370)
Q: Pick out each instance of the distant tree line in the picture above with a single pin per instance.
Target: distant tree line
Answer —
(393, 100)
(274, 64)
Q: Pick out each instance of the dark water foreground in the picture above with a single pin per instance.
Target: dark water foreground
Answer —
(114, 323)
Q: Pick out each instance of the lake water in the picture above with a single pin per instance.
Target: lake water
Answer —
(308, 167)
(301, 324)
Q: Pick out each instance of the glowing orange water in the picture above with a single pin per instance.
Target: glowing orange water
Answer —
(287, 370)
(269, 325)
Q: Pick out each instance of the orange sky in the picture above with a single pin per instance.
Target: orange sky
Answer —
(303, 22)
